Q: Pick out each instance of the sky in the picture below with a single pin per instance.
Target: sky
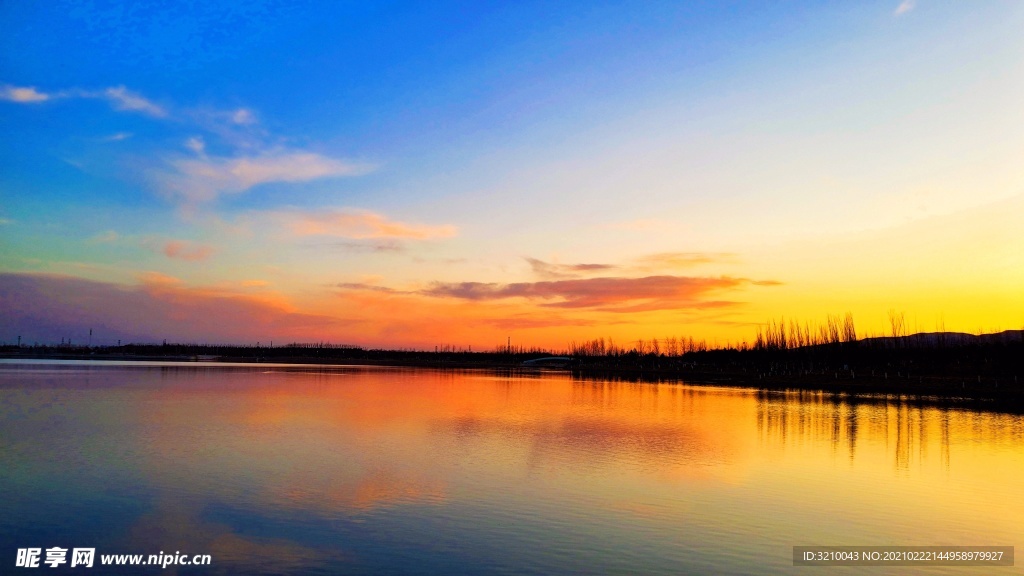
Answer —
(411, 175)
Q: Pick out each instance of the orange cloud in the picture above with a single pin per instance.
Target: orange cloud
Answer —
(361, 224)
(533, 322)
(185, 250)
(549, 313)
(685, 259)
(392, 316)
(363, 286)
(608, 294)
(648, 263)
(387, 245)
(555, 271)
(48, 308)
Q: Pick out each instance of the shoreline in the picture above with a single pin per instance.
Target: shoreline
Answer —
(988, 393)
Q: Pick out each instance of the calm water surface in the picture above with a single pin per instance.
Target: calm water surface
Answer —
(326, 470)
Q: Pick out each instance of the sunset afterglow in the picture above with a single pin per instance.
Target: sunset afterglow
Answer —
(410, 175)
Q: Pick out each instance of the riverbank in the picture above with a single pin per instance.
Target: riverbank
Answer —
(1002, 392)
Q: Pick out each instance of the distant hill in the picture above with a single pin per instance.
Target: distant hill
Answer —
(944, 339)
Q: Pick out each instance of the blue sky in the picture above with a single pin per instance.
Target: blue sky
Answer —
(327, 158)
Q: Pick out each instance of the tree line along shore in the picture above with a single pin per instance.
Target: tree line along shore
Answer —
(947, 364)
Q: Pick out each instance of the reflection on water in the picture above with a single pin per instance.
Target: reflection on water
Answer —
(915, 434)
(322, 470)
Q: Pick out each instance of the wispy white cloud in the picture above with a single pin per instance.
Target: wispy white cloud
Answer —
(74, 162)
(6, 221)
(197, 180)
(904, 7)
(238, 128)
(243, 116)
(196, 144)
(257, 158)
(117, 137)
(359, 225)
(24, 95)
(119, 97)
(123, 99)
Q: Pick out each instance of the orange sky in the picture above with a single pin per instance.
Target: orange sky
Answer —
(620, 172)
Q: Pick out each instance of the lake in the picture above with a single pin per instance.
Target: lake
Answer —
(276, 469)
